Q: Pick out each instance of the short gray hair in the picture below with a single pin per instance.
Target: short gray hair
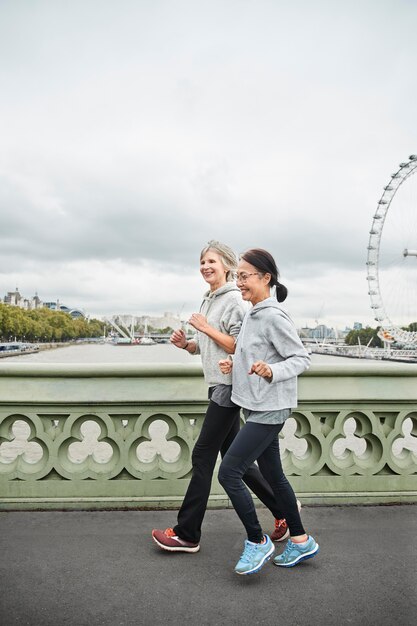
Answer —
(228, 257)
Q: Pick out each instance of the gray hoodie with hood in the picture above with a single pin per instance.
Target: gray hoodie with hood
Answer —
(224, 309)
(268, 334)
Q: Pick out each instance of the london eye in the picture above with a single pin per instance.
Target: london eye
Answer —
(392, 257)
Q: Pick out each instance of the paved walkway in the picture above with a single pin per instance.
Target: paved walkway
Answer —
(91, 568)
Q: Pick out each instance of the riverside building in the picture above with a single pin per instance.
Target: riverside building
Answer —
(14, 298)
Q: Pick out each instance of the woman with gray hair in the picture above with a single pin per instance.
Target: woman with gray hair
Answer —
(217, 324)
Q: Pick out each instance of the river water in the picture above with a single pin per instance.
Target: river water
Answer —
(158, 353)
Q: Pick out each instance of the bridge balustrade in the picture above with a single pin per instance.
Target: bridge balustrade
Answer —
(116, 436)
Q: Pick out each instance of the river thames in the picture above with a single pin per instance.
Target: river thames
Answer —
(158, 353)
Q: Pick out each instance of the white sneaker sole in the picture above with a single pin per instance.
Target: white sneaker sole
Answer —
(260, 565)
(175, 548)
(302, 557)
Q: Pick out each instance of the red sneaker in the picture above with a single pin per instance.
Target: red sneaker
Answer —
(282, 531)
(168, 540)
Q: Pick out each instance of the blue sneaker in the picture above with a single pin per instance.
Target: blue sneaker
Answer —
(254, 556)
(296, 552)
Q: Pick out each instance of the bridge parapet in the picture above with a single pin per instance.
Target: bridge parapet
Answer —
(115, 436)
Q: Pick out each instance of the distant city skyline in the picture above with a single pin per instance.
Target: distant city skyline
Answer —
(164, 320)
(15, 298)
(129, 138)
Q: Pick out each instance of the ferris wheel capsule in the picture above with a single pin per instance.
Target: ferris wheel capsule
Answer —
(385, 335)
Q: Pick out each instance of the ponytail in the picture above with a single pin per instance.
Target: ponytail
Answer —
(281, 292)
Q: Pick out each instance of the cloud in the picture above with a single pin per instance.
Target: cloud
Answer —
(131, 137)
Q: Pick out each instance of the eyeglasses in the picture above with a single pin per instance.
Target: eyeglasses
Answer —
(242, 278)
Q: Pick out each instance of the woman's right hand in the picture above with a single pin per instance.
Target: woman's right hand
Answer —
(178, 338)
(226, 366)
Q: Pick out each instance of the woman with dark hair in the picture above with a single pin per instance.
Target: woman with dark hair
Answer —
(217, 326)
(268, 358)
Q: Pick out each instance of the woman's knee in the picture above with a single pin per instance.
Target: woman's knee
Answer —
(202, 457)
(223, 475)
(230, 470)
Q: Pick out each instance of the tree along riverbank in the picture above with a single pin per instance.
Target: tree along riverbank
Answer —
(44, 325)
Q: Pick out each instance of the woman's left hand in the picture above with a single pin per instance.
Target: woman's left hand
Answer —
(198, 321)
(261, 369)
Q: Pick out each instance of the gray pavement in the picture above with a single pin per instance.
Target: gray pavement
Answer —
(91, 568)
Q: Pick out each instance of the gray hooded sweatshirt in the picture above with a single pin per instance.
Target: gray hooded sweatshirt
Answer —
(224, 309)
(268, 334)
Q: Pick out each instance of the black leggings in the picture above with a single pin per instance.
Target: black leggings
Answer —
(258, 442)
(220, 427)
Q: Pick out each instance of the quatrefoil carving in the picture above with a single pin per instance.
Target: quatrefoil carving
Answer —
(160, 446)
(89, 447)
(355, 446)
(100, 451)
(403, 444)
(300, 443)
(30, 451)
(147, 451)
(350, 442)
(408, 442)
(290, 442)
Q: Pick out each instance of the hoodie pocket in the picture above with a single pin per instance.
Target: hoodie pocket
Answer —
(263, 389)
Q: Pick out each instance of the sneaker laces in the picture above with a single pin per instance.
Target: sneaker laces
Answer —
(279, 523)
(169, 532)
(248, 551)
(289, 547)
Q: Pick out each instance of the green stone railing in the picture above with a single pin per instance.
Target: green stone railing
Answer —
(115, 436)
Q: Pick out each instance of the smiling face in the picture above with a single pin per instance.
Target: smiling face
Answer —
(253, 285)
(213, 270)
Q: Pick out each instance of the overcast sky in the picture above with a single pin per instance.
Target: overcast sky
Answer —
(133, 131)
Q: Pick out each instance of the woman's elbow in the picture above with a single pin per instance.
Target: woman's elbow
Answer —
(306, 362)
